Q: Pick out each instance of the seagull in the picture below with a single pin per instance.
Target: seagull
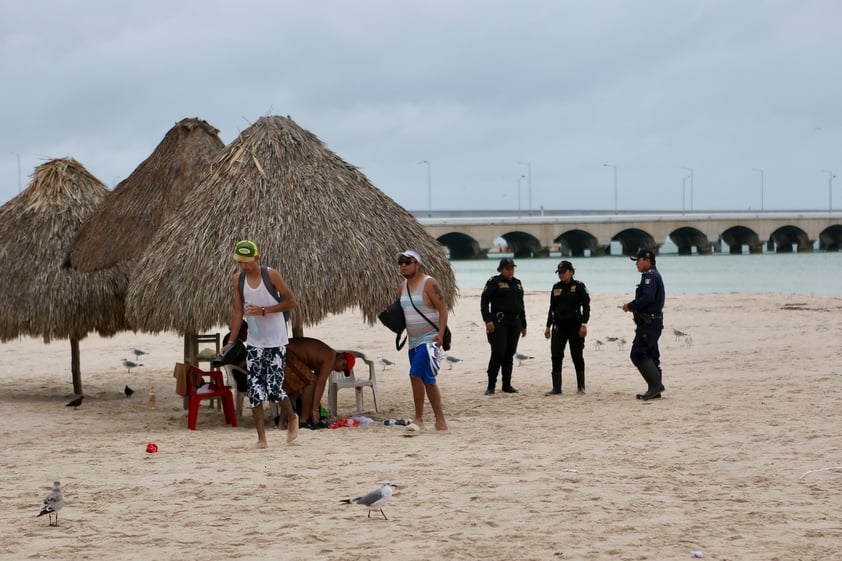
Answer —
(384, 361)
(53, 503)
(678, 334)
(474, 325)
(128, 391)
(521, 357)
(137, 352)
(621, 342)
(374, 499)
(597, 344)
(688, 341)
(611, 339)
(129, 365)
(76, 402)
(451, 360)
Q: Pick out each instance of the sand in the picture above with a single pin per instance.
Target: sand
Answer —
(753, 402)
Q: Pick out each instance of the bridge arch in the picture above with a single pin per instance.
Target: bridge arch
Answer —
(574, 243)
(523, 244)
(632, 239)
(687, 237)
(738, 236)
(788, 236)
(460, 246)
(831, 238)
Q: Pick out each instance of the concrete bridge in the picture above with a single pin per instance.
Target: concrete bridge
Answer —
(468, 237)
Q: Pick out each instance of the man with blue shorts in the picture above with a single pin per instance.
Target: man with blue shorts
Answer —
(426, 319)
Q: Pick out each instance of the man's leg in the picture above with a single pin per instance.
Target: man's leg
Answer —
(257, 414)
(512, 337)
(291, 417)
(434, 395)
(418, 399)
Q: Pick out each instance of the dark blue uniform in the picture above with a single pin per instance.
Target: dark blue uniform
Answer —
(648, 310)
(502, 303)
(570, 307)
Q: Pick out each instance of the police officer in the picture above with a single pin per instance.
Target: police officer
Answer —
(567, 322)
(504, 315)
(648, 311)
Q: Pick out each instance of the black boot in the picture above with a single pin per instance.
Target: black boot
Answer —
(556, 377)
(492, 382)
(580, 382)
(507, 383)
(652, 374)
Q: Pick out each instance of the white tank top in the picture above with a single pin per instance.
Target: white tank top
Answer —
(272, 329)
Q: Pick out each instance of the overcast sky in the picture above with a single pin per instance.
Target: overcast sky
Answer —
(474, 87)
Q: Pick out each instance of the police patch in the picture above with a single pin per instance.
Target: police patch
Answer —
(647, 281)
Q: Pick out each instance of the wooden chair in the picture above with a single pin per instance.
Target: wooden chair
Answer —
(338, 381)
(208, 385)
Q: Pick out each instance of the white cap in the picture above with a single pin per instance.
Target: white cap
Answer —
(409, 253)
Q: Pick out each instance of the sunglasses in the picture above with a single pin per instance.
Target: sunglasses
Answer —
(406, 261)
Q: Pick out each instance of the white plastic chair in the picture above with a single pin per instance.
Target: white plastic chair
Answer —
(338, 381)
(238, 395)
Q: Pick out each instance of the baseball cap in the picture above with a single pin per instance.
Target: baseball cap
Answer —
(505, 263)
(564, 266)
(245, 251)
(644, 253)
(351, 360)
(409, 253)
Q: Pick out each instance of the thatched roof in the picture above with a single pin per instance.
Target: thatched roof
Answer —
(131, 215)
(41, 299)
(316, 218)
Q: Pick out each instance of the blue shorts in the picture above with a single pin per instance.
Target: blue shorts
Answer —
(265, 374)
(424, 362)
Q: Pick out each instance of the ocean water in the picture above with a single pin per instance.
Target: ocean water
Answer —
(791, 273)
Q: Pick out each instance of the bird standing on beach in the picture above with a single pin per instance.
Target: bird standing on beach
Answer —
(451, 360)
(128, 391)
(678, 334)
(53, 503)
(129, 365)
(137, 352)
(76, 402)
(384, 361)
(374, 499)
(521, 357)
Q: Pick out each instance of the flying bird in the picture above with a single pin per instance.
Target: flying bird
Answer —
(374, 499)
(128, 391)
(521, 357)
(129, 365)
(53, 503)
(137, 352)
(384, 361)
(76, 402)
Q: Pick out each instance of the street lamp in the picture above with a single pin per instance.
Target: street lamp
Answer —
(761, 186)
(429, 189)
(683, 191)
(519, 179)
(691, 185)
(615, 184)
(830, 178)
(528, 182)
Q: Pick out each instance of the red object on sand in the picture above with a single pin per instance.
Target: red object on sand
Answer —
(151, 448)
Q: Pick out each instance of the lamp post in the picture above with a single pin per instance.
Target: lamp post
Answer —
(691, 185)
(528, 182)
(761, 186)
(683, 191)
(519, 179)
(615, 184)
(429, 189)
(830, 178)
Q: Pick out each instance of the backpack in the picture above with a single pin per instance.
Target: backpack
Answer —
(267, 282)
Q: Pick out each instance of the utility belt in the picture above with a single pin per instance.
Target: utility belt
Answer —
(504, 316)
(642, 318)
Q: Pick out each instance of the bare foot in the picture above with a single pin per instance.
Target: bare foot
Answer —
(441, 425)
(292, 431)
(261, 444)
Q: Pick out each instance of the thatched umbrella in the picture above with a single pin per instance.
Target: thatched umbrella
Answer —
(41, 299)
(133, 212)
(315, 218)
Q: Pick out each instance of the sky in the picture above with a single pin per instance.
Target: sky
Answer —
(521, 104)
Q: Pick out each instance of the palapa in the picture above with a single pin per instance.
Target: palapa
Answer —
(316, 218)
(127, 220)
(42, 299)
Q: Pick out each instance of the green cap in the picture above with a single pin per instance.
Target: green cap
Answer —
(245, 251)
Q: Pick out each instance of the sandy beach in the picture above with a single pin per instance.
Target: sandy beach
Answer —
(753, 403)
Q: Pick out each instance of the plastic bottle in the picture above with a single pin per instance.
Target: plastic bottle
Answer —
(254, 325)
(396, 422)
(153, 399)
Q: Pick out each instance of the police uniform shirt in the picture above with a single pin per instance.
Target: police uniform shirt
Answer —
(649, 296)
(570, 303)
(502, 296)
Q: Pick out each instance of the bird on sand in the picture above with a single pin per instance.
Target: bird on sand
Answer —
(374, 499)
(597, 344)
(129, 365)
(521, 357)
(53, 503)
(138, 352)
(128, 391)
(678, 334)
(76, 402)
(451, 360)
(384, 361)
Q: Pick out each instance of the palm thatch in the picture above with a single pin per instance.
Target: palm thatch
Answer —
(41, 299)
(133, 212)
(315, 218)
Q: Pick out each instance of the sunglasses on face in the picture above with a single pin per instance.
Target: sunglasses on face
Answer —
(406, 261)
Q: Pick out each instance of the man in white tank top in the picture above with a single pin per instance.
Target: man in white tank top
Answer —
(424, 339)
(267, 340)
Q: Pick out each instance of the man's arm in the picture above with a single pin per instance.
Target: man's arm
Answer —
(288, 301)
(434, 297)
